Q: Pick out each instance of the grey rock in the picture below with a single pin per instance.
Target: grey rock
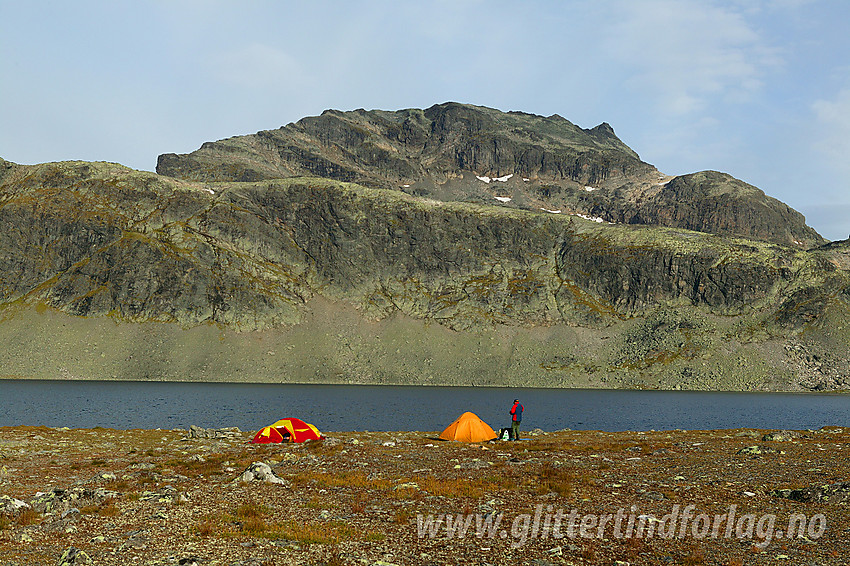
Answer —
(781, 436)
(73, 556)
(197, 432)
(474, 464)
(60, 500)
(833, 493)
(11, 505)
(260, 471)
(756, 450)
(748, 434)
(168, 494)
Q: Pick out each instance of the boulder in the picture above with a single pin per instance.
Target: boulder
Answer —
(781, 436)
(196, 432)
(259, 471)
(73, 556)
(61, 500)
(11, 505)
(756, 450)
(833, 493)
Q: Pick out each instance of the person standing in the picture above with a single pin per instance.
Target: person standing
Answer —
(516, 418)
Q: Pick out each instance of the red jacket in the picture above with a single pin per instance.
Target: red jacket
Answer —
(516, 411)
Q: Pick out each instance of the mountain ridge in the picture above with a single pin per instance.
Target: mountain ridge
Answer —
(458, 152)
(361, 285)
(238, 267)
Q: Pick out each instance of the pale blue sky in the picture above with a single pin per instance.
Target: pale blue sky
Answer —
(756, 88)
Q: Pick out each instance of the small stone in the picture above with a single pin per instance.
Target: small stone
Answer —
(73, 556)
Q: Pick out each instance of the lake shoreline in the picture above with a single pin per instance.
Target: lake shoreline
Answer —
(169, 405)
(400, 384)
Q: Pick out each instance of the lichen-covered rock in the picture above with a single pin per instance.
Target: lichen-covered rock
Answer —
(74, 556)
(262, 472)
(196, 432)
(61, 500)
(12, 505)
(756, 450)
(832, 493)
(782, 436)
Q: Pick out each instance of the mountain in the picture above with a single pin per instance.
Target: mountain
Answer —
(457, 152)
(111, 273)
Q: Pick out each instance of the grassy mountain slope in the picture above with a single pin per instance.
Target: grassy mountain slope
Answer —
(114, 273)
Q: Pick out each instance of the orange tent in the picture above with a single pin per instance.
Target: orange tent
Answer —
(468, 428)
(298, 431)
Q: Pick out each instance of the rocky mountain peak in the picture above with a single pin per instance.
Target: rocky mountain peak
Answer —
(466, 153)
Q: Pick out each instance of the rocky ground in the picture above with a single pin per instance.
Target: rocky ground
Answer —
(103, 496)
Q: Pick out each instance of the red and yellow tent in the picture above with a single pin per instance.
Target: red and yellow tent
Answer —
(468, 428)
(298, 431)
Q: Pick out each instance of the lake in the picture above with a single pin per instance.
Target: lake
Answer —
(126, 405)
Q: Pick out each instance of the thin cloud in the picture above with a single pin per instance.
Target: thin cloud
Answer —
(689, 55)
(833, 119)
(259, 66)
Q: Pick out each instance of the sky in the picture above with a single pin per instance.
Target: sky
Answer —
(759, 89)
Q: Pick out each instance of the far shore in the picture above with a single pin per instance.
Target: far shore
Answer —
(399, 384)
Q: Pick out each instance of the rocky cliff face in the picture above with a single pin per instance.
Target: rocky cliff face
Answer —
(116, 273)
(456, 152)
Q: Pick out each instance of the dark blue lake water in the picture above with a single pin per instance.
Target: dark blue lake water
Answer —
(125, 405)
